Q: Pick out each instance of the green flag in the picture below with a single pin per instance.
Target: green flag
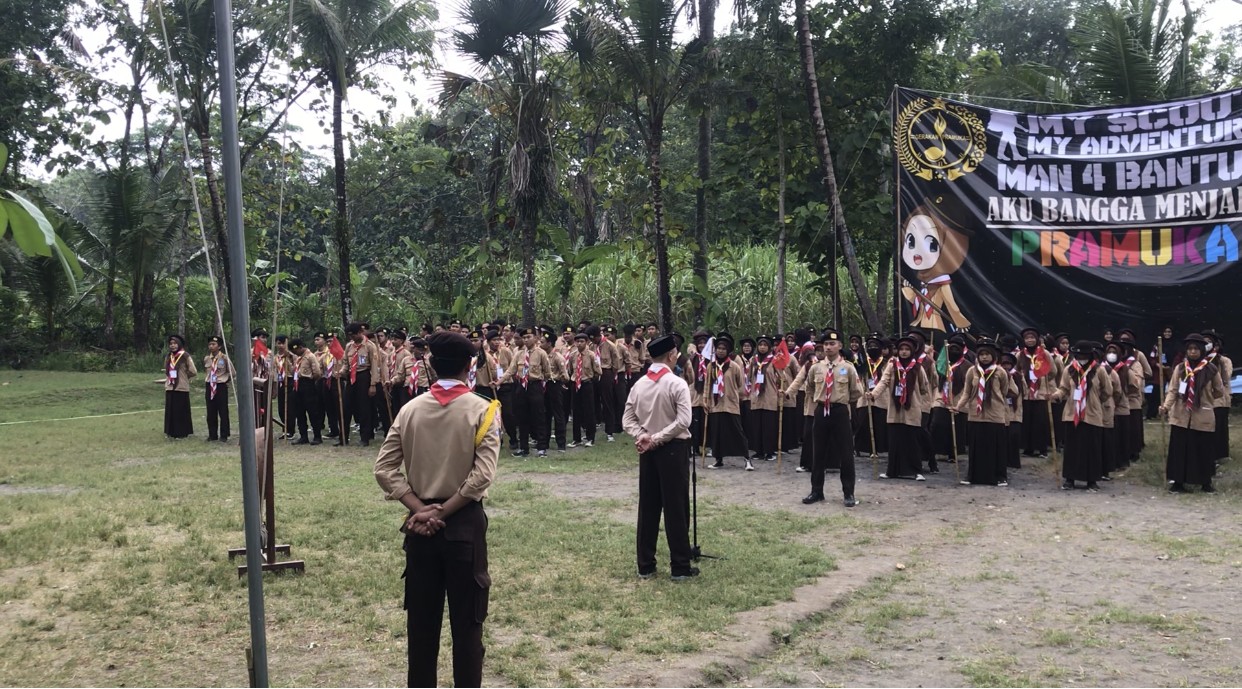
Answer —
(942, 361)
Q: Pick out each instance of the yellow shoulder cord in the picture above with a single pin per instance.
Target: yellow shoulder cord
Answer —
(488, 417)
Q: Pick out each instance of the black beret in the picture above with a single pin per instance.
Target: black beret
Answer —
(418, 342)
(322, 335)
(450, 345)
(476, 335)
(662, 345)
(492, 334)
(282, 338)
(592, 331)
(700, 335)
(215, 338)
(986, 343)
(397, 335)
(527, 331)
(1022, 333)
(832, 335)
(629, 328)
(259, 332)
(1195, 338)
(1008, 356)
(1083, 348)
(580, 336)
(180, 340)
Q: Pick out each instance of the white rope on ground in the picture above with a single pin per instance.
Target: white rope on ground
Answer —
(76, 418)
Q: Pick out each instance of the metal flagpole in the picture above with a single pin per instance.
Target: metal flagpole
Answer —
(241, 336)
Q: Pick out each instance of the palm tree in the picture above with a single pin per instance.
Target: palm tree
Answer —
(510, 40)
(1134, 51)
(340, 39)
(637, 50)
(707, 34)
(840, 229)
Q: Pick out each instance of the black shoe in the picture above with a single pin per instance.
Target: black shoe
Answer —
(300, 441)
(812, 498)
(212, 439)
(333, 434)
(850, 501)
(317, 441)
(1067, 485)
(1208, 489)
(1093, 487)
(1106, 478)
(687, 574)
(1177, 488)
(366, 443)
(934, 470)
(339, 443)
(646, 575)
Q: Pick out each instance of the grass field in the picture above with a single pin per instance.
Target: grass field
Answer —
(113, 567)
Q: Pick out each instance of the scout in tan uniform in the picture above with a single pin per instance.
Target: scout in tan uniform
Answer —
(833, 384)
(529, 372)
(793, 417)
(365, 368)
(395, 360)
(943, 423)
(1013, 448)
(1221, 406)
(415, 376)
(903, 386)
(985, 402)
(582, 369)
(1084, 387)
(871, 367)
(766, 398)
(438, 459)
(695, 375)
(610, 363)
(502, 356)
(1038, 385)
(178, 370)
(795, 390)
(1126, 337)
(1194, 388)
(330, 397)
(219, 372)
(282, 370)
(304, 383)
(260, 373)
(657, 415)
(554, 415)
(724, 421)
(1127, 379)
(482, 375)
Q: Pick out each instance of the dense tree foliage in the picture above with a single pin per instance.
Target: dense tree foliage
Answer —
(606, 159)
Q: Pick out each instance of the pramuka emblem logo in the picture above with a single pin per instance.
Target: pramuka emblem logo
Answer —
(938, 140)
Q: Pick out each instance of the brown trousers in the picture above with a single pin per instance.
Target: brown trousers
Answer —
(452, 562)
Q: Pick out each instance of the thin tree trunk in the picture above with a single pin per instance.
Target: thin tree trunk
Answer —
(181, 275)
(342, 219)
(217, 208)
(811, 83)
(529, 226)
(495, 169)
(707, 32)
(664, 307)
(781, 236)
(881, 288)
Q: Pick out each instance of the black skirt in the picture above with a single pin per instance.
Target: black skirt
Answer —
(1084, 452)
(177, 420)
(725, 436)
(1221, 434)
(761, 431)
(1191, 456)
(905, 454)
(1121, 442)
(942, 432)
(1135, 423)
(792, 421)
(696, 430)
(1013, 455)
(989, 452)
(1036, 434)
(862, 429)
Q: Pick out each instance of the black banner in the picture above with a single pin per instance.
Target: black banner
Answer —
(1076, 222)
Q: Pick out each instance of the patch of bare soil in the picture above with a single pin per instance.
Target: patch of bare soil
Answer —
(946, 585)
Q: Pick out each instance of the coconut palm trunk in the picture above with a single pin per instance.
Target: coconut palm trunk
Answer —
(341, 225)
(840, 230)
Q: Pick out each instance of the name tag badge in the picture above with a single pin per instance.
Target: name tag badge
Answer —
(211, 378)
(173, 374)
(843, 371)
(1181, 388)
(897, 391)
(500, 371)
(1077, 394)
(1031, 374)
(759, 377)
(870, 384)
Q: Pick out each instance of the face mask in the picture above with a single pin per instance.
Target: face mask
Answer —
(1082, 361)
(1111, 357)
(873, 352)
(1207, 347)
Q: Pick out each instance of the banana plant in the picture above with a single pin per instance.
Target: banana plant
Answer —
(31, 229)
(572, 258)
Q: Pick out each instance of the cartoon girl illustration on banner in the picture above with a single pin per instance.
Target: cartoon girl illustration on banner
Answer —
(934, 242)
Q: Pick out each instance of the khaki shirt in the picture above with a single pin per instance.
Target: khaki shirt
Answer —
(766, 385)
(557, 362)
(846, 388)
(691, 375)
(590, 367)
(870, 372)
(1202, 418)
(1014, 401)
(919, 388)
(1225, 365)
(366, 357)
(184, 369)
(224, 368)
(502, 359)
(534, 362)
(944, 394)
(424, 378)
(282, 366)
(1000, 386)
(658, 405)
(430, 450)
(728, 398)
(1099, 389)
(609, 357)
(631, 357)
(331, 367)
(306, 367)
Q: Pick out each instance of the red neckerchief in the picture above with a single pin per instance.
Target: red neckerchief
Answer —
(1084, 376)
(655, 376)
(411, 381)
(946, 390)
(829, 382)
(297, 373)
(1190, 381)
(985, 374)
(473, 377)
(211, 376)
(327, 369)
(353, 363)
(578, 373)
(902, 372)
(525, 377)
(173, 360)
(762, 363)
(718, 384)
(445, 395)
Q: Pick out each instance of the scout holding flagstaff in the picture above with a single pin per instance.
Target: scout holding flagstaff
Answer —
(903, 387)
(218, 372)
(985, 402)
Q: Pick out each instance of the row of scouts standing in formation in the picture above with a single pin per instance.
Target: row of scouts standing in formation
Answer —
(987, 401)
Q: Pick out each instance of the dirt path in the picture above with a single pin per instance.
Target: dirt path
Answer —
(998, 586)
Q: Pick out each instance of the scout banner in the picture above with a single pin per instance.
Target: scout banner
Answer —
(1126, 216)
